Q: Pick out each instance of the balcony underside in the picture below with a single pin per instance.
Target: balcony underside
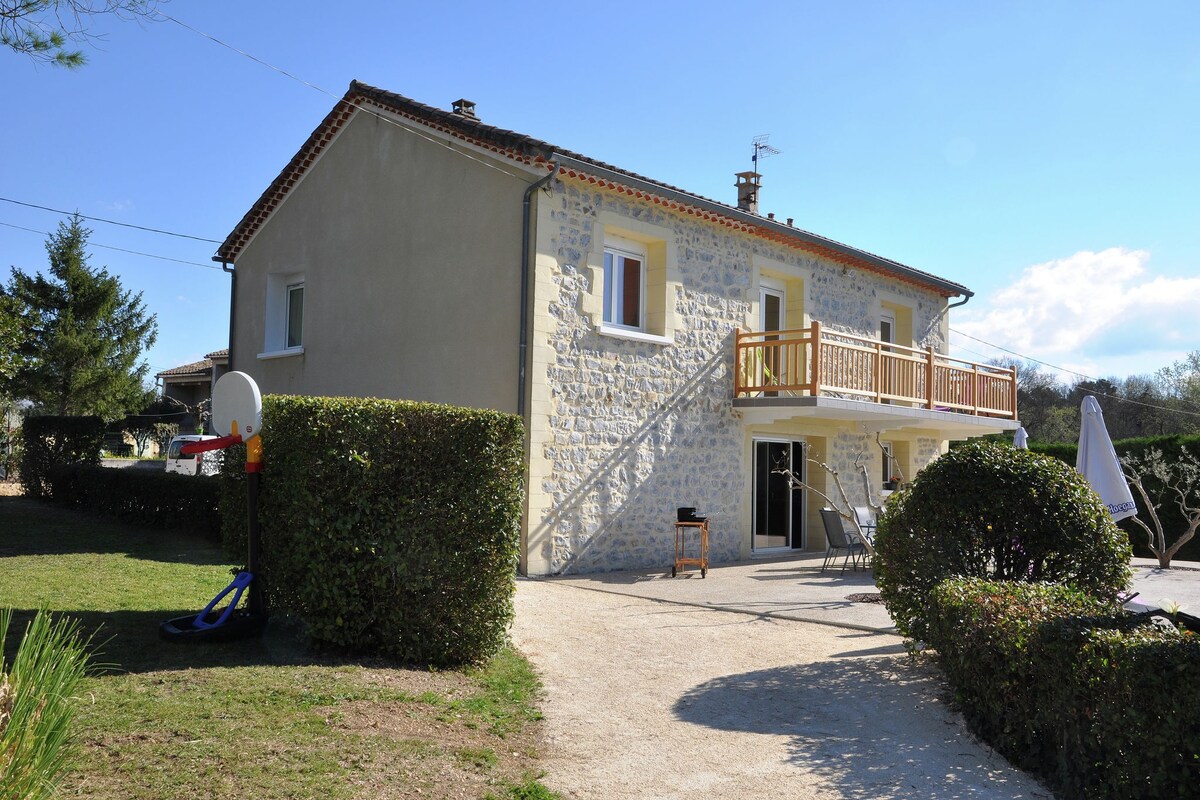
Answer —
(868, 417)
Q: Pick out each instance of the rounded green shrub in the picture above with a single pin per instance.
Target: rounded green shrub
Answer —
(992, 511)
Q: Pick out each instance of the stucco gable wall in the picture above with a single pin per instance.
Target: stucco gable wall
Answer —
(625, 431)
(409, 252)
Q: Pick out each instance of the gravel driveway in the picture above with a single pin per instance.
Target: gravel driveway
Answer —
(650, 699)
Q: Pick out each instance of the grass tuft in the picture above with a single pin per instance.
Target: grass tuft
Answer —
(37, 703)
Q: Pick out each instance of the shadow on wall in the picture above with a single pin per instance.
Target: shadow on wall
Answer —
(854, 722)
(622, 540)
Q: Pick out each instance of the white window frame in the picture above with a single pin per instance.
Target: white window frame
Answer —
(615, 251)
(291, 289)
(889, 319)
(889, 460)
(277, 318)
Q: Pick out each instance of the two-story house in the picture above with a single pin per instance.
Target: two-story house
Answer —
(664, 349)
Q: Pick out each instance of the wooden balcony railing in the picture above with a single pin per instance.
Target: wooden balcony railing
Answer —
(814, 362)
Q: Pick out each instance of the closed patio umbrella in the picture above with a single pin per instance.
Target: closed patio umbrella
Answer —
(1021, 439)
(1097, 461)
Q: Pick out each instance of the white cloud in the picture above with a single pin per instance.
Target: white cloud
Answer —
(1099, 313)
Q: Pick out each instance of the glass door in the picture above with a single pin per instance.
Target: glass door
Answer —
(778, 512)
(771, 303)
(888, 370)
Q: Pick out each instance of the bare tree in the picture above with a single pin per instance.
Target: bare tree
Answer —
(842, 505)
(1177, 482)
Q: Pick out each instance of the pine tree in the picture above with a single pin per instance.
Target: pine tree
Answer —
(83, 334)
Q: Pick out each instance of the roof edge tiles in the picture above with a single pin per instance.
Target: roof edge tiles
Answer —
(529, 150)
(194, 368)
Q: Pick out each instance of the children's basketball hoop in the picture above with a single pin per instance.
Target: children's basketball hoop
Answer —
(236, 418)
(237, 406)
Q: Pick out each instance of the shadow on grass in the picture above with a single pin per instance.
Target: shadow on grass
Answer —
(129, 642)
(33, 527)
(129, 639)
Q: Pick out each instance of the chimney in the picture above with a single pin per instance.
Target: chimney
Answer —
(464, 108)
(747, 185)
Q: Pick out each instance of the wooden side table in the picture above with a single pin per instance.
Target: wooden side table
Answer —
(682, 560)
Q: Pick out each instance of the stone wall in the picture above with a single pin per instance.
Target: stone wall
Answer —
(624, 431)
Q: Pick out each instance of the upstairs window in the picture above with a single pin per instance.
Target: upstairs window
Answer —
(625, 286)
(283, 329)
(294, 335)
(632, 280)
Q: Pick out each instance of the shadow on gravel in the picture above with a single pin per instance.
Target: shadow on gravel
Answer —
(872, 728)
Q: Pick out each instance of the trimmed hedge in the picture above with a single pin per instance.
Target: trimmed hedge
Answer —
(49, 441)
(992, 511)
(1100, 703)
(139, 497)
(232, 502)
(390, 526)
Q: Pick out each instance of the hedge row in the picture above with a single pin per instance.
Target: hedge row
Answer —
(139, 497)
(1099, 702)
(49, 441)
(388, 526)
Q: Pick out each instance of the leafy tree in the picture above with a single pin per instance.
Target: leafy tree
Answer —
(144, 427)
(41, 29)
(1059, 424)
(1181, 384)
(82, 336)
(10, 338)
(1182, 379)
(1146, 413)
(1039, 393)
(164, 432)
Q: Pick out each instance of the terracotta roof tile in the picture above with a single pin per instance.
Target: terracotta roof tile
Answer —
(195, 368)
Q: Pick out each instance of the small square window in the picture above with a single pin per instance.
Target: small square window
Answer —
(295, 315)
(624, 288)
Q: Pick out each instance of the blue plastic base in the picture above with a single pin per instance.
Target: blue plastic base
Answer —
(239, 625)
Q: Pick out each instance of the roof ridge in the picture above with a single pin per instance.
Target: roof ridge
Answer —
(530, 149)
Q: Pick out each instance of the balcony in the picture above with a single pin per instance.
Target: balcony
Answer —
(817, 368)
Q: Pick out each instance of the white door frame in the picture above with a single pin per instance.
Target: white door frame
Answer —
(794, 506)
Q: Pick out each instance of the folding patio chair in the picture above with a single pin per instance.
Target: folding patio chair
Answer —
(839, 539)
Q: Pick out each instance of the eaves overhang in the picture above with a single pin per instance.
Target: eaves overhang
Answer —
(771, 228)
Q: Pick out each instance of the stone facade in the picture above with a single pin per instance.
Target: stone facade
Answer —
(625, 429)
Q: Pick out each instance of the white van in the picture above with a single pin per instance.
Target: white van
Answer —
(192, 463)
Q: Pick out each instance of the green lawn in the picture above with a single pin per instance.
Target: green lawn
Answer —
(264, 718)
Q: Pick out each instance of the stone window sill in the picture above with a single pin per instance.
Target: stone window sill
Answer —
(636, 336)
(289, 352)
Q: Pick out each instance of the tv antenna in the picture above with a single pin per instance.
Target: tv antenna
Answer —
(762, 149)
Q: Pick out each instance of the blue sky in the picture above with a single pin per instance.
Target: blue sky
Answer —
(1042, 154)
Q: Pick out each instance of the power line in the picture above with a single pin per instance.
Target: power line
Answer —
(119, 249)
(1078, 374)
(1022, 355)
(110, 222)
(330, 94)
